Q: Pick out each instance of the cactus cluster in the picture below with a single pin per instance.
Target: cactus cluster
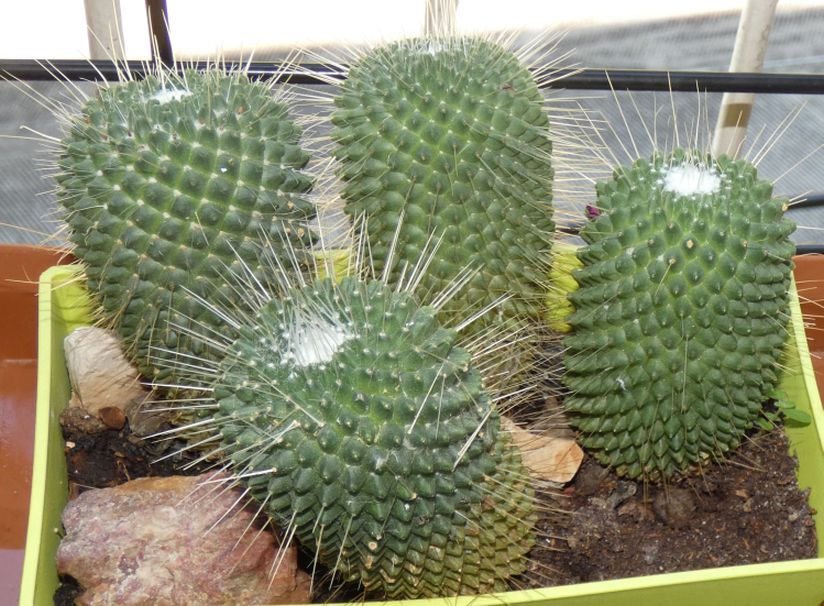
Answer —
(169, 184)
(348, 407)
(680, 315)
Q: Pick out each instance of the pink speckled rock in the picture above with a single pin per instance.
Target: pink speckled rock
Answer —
(170, 541)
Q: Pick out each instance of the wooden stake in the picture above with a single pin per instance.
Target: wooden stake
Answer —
(747, 56)
(439, 21)
(105, 29)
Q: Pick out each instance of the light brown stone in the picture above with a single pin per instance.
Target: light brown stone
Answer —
(112, 416)
(550, 458)
(76, 419)
(100, 374)
(104, 381)
(174, 541)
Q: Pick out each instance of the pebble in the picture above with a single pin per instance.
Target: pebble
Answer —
(589, 478)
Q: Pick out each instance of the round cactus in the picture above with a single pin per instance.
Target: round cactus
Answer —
(353, 416)
(680, 316)
(167, 184)
(446, 141)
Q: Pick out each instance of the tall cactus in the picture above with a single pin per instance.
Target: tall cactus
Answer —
(447, 139)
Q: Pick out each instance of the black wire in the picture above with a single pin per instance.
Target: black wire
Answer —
(811, 201)
(809, 249)
(800, 249)
(584, 79)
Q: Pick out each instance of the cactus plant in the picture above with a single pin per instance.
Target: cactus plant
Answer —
(446, 139)
(167, 183)
(355, 419)
(679, 317)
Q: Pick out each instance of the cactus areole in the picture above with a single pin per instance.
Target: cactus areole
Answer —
(167, 183)
(680, 316)
(446, 141)
(364, 430)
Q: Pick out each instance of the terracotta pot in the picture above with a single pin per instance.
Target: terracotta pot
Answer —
(809, 279)
(20, 269)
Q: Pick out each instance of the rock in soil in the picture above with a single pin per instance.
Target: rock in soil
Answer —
(174, 541)
(100, 374)
(76, 419)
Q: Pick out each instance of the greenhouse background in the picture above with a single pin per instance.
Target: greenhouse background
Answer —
(589, 34)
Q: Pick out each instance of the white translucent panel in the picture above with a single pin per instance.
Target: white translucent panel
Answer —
(56, 29)
(44, 28)
(493, 15)
(202, 28)
(135, 29)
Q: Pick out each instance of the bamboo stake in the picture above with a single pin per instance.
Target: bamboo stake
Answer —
(439, 21)
(103, 22)
(748, 56)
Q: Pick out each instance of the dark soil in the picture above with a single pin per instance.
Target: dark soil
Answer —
(113, 457)
(746, 510)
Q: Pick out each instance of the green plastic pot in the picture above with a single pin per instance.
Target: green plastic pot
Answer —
(64, 306)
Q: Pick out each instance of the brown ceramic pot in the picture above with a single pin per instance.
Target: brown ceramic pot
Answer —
(809, 280)
(20, 269)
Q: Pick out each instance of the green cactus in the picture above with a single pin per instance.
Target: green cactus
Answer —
(167, 185)
(680, 317)
(447, 139)
(353, 416)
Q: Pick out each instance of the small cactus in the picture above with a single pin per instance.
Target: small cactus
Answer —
(561, 284)
(353, 416)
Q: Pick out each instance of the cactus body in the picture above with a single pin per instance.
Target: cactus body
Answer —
(448, 138)
(166, 187)
(364, 429)
(680, 314)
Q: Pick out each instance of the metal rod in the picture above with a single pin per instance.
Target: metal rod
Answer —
(809, 249)
(585, 79)
(158, 16)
